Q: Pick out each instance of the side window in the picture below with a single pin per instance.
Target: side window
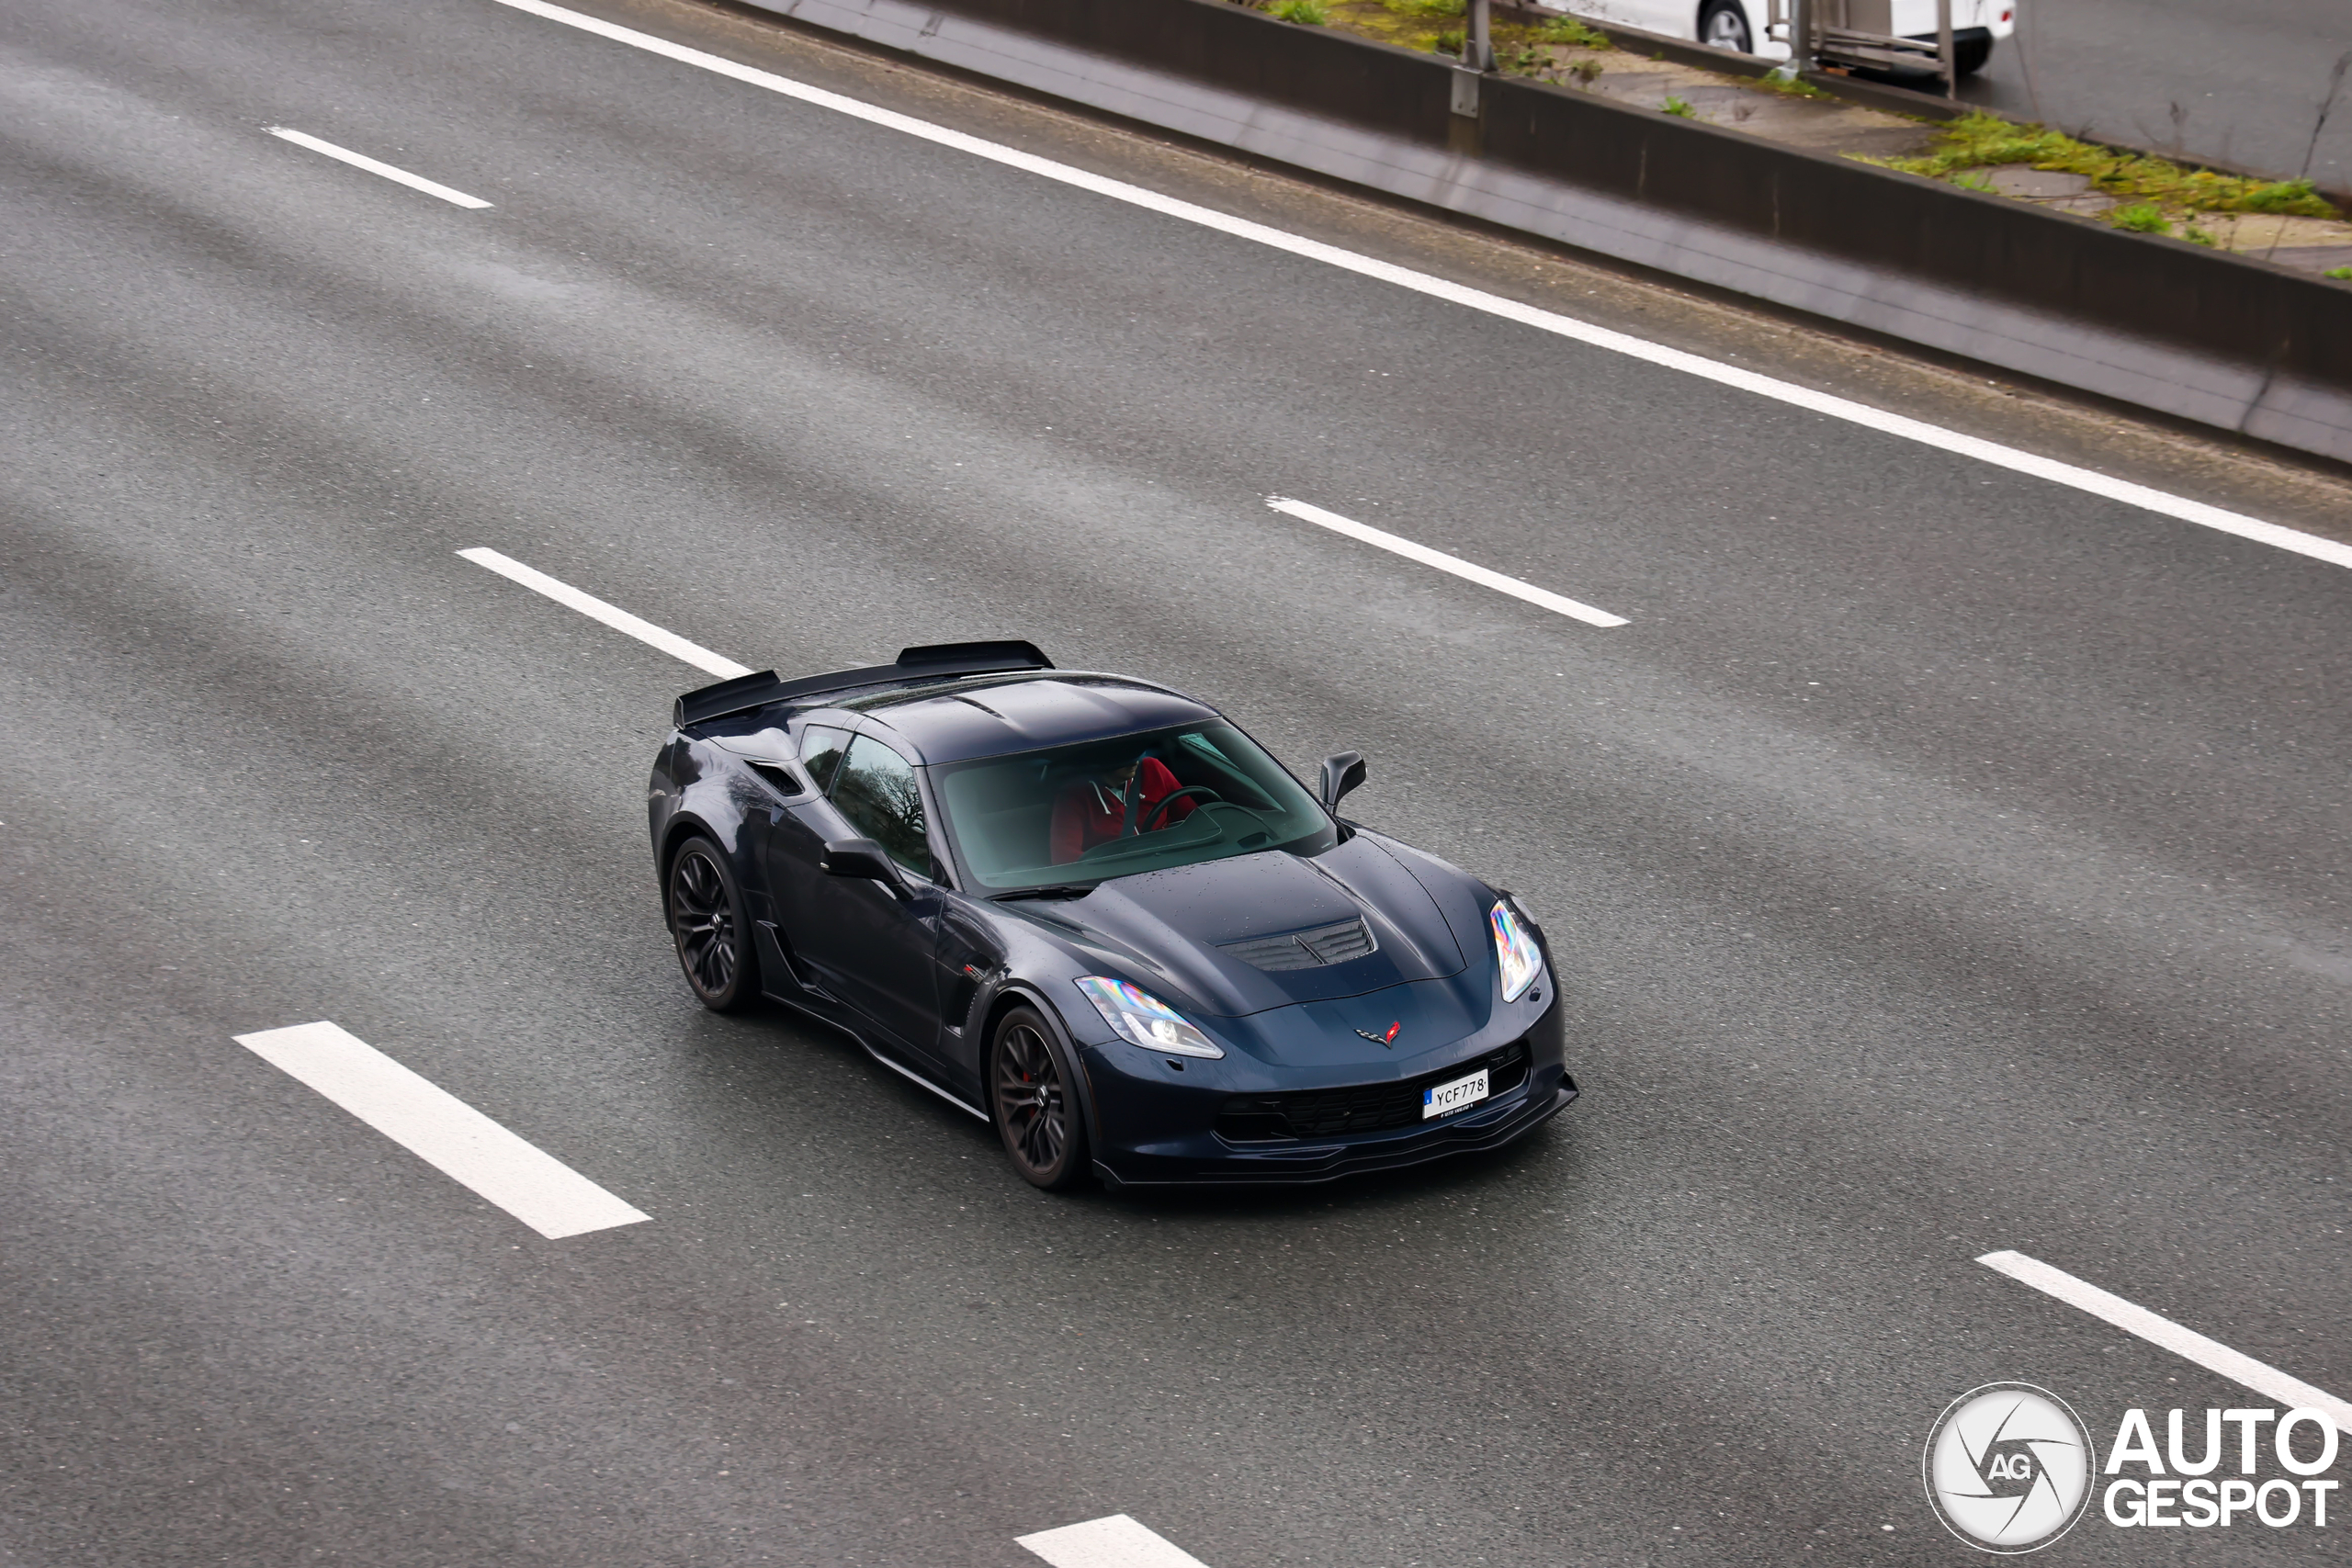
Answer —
(820, 753)
(876, 790)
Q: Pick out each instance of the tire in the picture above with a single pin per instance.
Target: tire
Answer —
(1968, 58)
(1033, 1103)
(1722, 25)
(707, 922)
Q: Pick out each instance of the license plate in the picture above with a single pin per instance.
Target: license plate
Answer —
(1454, 1095)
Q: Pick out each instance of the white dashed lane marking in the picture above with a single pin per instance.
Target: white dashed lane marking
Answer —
(1468, 570)
(2187, 1343)
(361, 161)
(1113, 1542)
(619, 620)
(442, 1129)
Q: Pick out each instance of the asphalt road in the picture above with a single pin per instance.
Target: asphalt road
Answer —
(2246, 83)
(1939, 862)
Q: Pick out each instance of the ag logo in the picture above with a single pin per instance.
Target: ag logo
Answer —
(2008, 1468)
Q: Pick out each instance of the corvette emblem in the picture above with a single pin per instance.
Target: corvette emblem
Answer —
(1387, 1041)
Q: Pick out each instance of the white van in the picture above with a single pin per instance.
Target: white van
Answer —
(1747, 26)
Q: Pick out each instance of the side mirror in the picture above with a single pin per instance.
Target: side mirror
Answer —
(1342, 771)
(861, 858)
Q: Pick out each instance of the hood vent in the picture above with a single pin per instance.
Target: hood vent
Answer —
(1308, 949)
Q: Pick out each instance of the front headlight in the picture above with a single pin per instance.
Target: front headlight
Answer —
(1143, 1019)
(1515, 951)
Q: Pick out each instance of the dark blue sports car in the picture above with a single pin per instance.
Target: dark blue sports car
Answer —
(1092, 911)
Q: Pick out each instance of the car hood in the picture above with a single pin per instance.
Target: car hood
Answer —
(1177, 928)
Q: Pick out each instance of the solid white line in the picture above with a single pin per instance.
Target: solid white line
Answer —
(619, 620)
(2187, 1343)
(1115, 1542)
(2048, 468)
(361, 161)
(442, 1129)
(1443, 563)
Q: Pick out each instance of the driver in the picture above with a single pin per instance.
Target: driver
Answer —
(1091, 810)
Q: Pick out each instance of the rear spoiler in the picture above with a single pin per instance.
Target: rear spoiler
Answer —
(748, 692)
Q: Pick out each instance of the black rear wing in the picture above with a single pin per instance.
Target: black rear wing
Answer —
(748, 692)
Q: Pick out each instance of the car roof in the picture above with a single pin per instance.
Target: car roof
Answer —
(1024, 712)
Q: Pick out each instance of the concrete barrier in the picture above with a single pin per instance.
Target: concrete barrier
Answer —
(2223, 340)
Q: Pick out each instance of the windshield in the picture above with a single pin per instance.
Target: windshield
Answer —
(1082, 814)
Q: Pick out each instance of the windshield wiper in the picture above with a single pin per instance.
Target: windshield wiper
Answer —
(1051, 890)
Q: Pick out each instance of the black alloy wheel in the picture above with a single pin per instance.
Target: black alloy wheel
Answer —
(714, 939)
(1030, 1100)
(1722, 25)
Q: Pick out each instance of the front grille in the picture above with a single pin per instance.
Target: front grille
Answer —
(1367, 1107)
(1334, 944)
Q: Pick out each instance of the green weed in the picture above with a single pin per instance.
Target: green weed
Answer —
(1307, 12)
(2341, 274)
(1982, 141)
(2294, 197)
(1969, 179)
(1679, 108)
(1427, 7)
(2196, 236)
(1447, 42)
(1567, 30)
(2140, 219)
(1790, 86)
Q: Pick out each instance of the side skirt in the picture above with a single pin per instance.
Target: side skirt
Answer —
(807, 1006)
(914, 1077)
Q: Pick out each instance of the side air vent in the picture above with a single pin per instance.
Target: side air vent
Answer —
(1306, 949)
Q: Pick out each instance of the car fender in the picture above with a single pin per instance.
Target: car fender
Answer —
(661, 792)
(1029, 992)
(1462, 898)
(687, 821)
(710, 792)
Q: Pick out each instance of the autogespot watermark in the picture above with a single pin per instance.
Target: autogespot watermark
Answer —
(2010, 1468)
(2171, 1489)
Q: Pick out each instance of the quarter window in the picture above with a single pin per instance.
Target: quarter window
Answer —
(876, 789)
(820, 753)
